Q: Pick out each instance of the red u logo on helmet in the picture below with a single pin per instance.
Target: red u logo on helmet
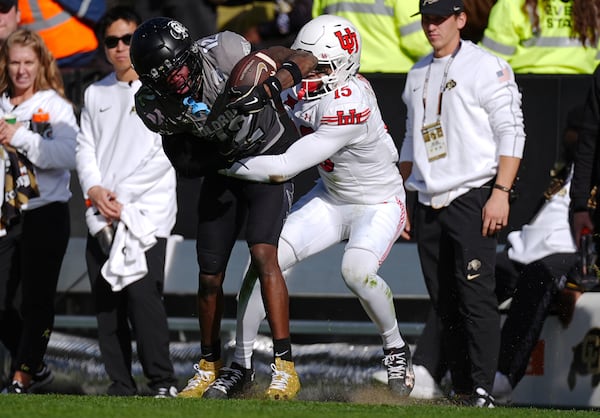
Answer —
(348, 41)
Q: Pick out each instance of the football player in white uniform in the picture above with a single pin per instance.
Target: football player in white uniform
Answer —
(359, 197)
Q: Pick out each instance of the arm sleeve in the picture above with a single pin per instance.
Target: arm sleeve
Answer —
(307, 152)
(406, 150)
(500, 97)
(87, 167)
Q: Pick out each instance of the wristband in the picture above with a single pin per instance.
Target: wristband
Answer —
(500, 187)
(294, 70)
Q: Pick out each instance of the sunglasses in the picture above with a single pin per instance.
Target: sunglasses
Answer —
(112, 41)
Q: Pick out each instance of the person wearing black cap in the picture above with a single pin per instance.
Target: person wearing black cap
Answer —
(9, 18)
(463, 146)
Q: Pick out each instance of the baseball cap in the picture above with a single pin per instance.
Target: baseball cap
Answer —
(6, 5)
(440, 7)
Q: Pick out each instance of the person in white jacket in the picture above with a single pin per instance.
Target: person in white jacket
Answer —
(461, 153)
(538, 261)
(130, 190)
(35, 247)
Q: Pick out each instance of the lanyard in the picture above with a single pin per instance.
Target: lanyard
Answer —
(442, 85)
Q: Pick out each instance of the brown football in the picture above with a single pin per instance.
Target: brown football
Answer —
(252, 70)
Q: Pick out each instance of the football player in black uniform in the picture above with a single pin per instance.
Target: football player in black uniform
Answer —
(206, 126)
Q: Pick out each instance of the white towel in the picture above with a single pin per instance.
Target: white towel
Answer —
(95, 222)
(127, 260)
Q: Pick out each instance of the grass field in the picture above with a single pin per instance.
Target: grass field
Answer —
(67, 406)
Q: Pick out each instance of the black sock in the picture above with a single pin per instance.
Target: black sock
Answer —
(212, 352)
(283, 349)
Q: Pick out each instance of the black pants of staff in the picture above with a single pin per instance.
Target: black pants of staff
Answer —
(458, 266)
(44, 241)
(141, 305)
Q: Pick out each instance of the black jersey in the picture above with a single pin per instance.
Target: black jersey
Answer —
(199, 137)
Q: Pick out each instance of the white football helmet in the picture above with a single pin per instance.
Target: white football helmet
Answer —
(336, 43)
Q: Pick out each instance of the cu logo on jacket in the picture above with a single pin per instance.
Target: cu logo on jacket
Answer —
(348, 42)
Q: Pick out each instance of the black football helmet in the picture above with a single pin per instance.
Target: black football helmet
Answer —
(159, 47)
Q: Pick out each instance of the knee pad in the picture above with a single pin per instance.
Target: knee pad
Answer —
(286, 254)
(212, 264)
(359, 267)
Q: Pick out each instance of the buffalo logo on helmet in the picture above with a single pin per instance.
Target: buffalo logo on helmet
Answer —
(177, 30)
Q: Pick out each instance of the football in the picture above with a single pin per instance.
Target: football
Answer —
(252, 70)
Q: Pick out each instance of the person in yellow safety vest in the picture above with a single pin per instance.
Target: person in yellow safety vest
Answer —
(392, 40)
(66, 27)
(545, 36)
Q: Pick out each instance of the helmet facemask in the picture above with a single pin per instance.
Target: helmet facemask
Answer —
(164, 81)
(161, 49)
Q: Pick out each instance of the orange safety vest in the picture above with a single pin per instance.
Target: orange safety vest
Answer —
(64, 34)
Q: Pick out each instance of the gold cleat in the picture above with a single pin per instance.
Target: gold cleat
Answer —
(206, 373)
(285, 383)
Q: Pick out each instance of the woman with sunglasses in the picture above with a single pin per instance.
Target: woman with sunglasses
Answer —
(30, 81)
(128, 182)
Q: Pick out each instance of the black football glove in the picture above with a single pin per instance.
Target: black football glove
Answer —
(251, 99)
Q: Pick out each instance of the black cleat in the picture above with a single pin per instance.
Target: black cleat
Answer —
(401, 377)
(231, 381)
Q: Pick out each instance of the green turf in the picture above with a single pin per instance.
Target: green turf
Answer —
(66, 406)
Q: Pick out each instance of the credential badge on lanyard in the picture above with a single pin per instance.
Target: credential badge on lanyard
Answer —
(433, 134)
(435, 143)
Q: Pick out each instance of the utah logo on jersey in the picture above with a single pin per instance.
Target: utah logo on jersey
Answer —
(350, 117)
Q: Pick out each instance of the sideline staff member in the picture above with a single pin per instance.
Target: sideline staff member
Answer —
(463, 144)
